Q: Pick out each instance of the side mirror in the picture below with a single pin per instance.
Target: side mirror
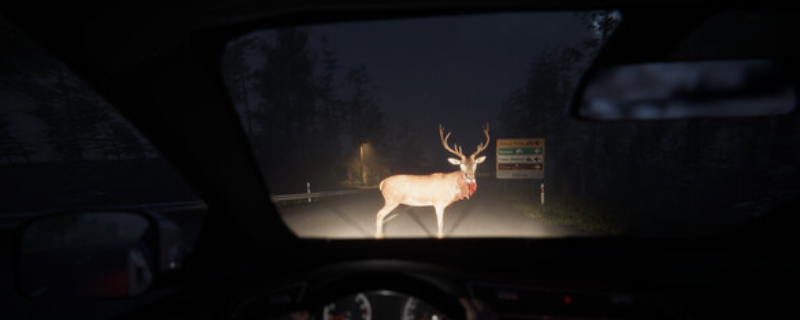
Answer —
(93, 255)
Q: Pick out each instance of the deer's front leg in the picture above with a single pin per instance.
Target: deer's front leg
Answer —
(387, 208)
(440, 221)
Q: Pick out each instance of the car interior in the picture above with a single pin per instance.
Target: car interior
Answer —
(161, 67)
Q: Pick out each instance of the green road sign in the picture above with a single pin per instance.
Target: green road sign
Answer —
(521, 158)
(520, 151)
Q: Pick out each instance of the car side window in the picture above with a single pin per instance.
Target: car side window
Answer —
(63, 147)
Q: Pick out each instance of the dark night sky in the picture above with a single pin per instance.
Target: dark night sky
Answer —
(452, 70)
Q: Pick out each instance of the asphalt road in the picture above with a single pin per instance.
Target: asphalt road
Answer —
(485, 214)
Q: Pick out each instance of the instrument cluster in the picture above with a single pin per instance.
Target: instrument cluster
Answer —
(379, 304)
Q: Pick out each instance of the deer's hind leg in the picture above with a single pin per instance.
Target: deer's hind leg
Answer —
(387, 208)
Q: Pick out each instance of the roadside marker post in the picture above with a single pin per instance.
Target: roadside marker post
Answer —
(542, 193)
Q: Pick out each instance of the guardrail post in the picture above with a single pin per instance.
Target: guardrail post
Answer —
(308, 191)
(542, 193)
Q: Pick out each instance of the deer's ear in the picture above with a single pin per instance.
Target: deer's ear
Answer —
(480, 159)
(454, 161)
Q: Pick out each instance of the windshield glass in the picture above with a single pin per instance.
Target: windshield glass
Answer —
(458, 126)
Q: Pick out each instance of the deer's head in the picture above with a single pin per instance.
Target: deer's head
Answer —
(467, 164)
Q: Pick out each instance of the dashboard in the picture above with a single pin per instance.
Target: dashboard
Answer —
(432, 293)
(380, 304)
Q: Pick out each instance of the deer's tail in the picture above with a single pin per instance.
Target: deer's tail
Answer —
(380, 186)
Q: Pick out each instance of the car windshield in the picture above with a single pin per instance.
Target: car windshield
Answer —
(459, 126)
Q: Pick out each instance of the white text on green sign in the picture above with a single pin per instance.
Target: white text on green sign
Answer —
(520, 151)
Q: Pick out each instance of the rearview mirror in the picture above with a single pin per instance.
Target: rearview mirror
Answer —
(87, 255)
(693, 89)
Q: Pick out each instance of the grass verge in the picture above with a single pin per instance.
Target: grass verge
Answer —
(580, 214)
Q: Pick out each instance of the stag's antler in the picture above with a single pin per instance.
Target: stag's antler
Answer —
(457, 150)
(482, 146)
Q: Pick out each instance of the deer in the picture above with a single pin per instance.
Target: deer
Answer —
(438, 190)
